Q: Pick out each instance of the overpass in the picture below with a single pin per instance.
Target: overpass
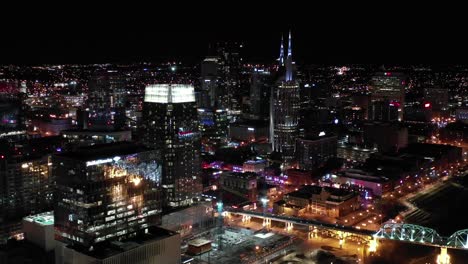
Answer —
(302, 221)
(390, 231)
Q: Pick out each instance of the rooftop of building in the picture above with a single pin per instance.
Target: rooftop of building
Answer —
(262, 161)
(297, 172)
(100, 151)
(240, 175)
(364, 175)
(307, 191)
(320, 136)
(86, 131)
(44, 219)
(199, 242)
(108, 249)
(384, 124)
(457, 126)
(251, 123)
(428, 150)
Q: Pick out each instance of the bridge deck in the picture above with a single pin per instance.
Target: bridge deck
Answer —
(301, 221)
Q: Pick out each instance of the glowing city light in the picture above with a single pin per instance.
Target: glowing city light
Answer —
(169, 93)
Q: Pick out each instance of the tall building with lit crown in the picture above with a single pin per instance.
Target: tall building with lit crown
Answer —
(284, 113)
(170, 125)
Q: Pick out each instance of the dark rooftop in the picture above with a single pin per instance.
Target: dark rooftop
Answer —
(307, 191)
(428, 150)
(104, 151)
(317, 137)
(110, 248)
(250, 122)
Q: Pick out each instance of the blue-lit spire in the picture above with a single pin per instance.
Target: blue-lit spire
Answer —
(289, 68)
(281, 56)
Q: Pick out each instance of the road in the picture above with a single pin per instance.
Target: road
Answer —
(332, 245)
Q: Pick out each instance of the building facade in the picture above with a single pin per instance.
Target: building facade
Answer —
(312, 153)
(389, 86)
(170, 125)
(106, 192)
(260, 90)
(157, 245)
(284, 115)
(106, 101)
(313, 199)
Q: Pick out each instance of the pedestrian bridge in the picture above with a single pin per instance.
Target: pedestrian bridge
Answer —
(422, 235)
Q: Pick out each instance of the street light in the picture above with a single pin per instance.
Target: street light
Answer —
(264, 201)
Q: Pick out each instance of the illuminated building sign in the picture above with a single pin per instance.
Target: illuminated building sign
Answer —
(169, 93)
(97, 162)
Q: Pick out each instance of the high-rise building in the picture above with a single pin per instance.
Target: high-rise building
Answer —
(106, 192)
(383, 110)
(170, 125)
(210, 84)
(213, 128)
(437, 97)
(284, 113)
(385, 136)
(106, 101)
(313, 152)
(389, 86)
(230, 69)
(27, 184)
(260, 89)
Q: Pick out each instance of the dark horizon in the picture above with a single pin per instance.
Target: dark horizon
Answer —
(391, 35)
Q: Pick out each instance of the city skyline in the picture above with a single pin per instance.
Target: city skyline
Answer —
(274, 135)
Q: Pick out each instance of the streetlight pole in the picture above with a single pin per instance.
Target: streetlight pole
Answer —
(264, 201)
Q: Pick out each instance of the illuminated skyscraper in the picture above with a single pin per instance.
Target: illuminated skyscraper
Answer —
(170, 125)
(106, 101)
(284, 113)
(106, 192)
(260, 89)
(389, 86)
(211, 84)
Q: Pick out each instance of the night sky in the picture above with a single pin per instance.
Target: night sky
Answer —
(386, 34)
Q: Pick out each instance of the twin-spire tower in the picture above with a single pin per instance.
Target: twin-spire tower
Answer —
(284, 113)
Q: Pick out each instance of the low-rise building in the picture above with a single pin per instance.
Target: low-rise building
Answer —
(365, 181)
(244, 184)
(198, 246)
(80, 137)
(249, 130)
(298, 177)
(313, 152)
(39, 230)
(332, 202)
(156, 246)
(191, 219)
(256, 166)
(354, 152)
